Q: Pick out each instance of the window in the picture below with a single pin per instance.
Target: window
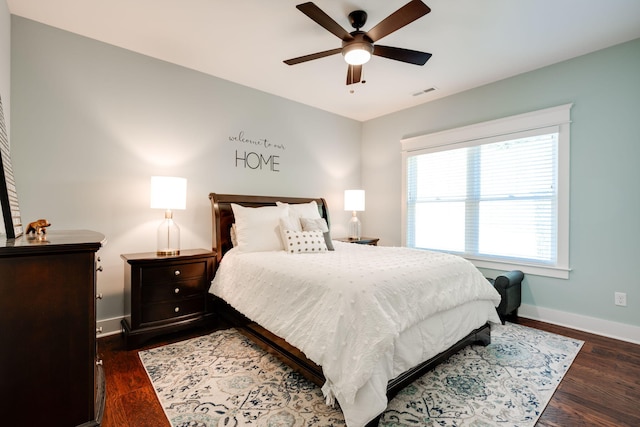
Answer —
(495, 193)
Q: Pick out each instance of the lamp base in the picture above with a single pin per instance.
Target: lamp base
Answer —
(168, 252)
(168, 238)
(354, 227)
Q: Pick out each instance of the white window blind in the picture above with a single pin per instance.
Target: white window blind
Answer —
(493, 198)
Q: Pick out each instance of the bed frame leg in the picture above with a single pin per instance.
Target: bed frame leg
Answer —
(374, 422)
(483, 336)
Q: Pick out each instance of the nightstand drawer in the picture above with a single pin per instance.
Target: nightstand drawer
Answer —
(152, 293)
(172, 310)
(172, 273)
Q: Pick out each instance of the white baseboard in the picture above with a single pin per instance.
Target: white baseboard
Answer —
(607, 328)
(109, 326)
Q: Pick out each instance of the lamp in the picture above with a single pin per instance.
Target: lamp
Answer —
(168, 192)
(354, 201)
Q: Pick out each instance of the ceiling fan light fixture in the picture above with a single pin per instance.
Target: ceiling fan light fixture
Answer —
(357, 53)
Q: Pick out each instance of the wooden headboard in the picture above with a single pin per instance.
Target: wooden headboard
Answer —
(222, 214)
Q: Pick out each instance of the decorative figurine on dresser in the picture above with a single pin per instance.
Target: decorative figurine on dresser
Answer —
(38, 227)
(166, 293)
(49, 371)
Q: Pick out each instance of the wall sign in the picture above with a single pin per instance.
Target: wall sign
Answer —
(256, 153)
(8, 195)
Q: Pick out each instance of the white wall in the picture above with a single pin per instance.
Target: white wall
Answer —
(93, 122)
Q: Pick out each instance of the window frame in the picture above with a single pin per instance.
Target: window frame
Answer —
(496, 129)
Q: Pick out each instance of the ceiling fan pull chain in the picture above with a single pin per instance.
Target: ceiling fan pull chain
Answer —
(351, 90)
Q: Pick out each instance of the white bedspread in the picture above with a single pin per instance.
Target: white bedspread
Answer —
(344, 309)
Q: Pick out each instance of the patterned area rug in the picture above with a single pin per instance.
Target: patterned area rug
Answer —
(223, 379)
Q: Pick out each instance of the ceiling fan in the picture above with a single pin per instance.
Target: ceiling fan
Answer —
(358, 46)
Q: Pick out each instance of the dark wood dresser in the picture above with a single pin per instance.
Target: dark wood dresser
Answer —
(49, 371)
(166, 294)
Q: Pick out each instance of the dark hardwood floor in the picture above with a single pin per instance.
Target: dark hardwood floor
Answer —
(602, 387)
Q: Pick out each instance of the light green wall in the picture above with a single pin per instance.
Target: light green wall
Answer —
(93, 122)
(605, 177)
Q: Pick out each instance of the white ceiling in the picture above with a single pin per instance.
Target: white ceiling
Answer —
(473, 42)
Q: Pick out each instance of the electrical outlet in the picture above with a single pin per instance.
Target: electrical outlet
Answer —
(620, 298)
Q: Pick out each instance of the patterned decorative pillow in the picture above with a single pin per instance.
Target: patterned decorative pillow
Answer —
(318, 224)
(303, 242)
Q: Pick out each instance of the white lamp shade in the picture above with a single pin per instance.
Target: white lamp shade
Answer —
(168, 192)
(354, 200)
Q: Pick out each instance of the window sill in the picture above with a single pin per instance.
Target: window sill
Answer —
(536, 270)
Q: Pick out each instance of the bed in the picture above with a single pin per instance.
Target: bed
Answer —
(360, 331)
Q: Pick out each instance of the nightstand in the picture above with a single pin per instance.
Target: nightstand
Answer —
(373, 241)
(165, 293)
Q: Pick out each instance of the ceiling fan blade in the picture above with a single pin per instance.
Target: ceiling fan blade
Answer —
(324, 20)
(317, 55)
(398, 19)
(404, 55)
(354, 74)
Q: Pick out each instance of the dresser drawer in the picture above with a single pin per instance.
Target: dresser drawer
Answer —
(173, 273)
(173, 310)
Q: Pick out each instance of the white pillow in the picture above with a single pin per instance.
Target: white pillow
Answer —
(318, 224)
(290, 222)
(304, 242)
(312, 224)
(302, 210)
(258, 229)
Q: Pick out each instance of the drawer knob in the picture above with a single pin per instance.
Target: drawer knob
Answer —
(177, 290)
(177, 272)
(177, 309)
